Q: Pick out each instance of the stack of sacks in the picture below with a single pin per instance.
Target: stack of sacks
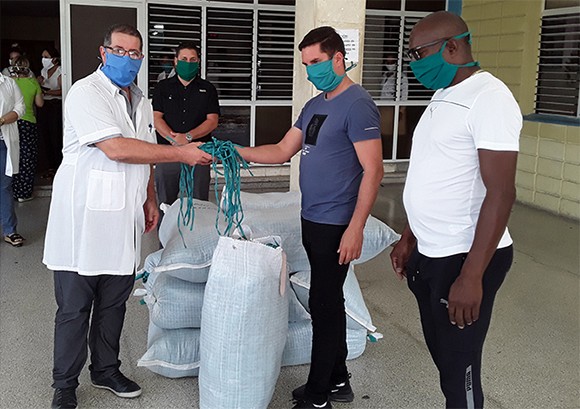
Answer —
(173, 349)
(175, 289)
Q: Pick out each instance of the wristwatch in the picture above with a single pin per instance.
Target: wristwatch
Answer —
(2, 120)
(188, 137)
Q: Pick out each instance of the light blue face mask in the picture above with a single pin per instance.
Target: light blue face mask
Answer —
(434, 72)
(121, 70)
(323, 77)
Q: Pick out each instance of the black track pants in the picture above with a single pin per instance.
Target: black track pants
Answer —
(456, 352)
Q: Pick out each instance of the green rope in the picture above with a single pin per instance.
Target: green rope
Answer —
(232, 163)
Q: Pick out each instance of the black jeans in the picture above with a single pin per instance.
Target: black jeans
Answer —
(76, 295)
(326, 303)
(456, 352)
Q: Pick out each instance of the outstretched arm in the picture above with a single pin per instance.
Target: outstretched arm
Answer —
(130, 150)
(275, 153)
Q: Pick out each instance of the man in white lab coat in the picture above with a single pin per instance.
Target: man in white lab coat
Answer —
(103, 200)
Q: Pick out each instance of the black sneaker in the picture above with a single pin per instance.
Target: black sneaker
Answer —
(339, 393)
(119, 384)
(308, 404)
(65, 398)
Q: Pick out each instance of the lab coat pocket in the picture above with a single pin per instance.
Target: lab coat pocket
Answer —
(106, 190)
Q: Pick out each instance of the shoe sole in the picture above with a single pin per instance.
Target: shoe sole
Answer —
(127, 395)
(343, 399)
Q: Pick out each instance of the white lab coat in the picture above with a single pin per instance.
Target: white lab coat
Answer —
(96, 215)
(11, 100)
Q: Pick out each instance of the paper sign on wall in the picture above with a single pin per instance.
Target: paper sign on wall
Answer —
(351, 43)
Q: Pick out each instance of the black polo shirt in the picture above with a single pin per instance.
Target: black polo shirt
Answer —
(185, 108)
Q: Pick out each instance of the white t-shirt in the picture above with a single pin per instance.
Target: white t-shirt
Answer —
(96, 214)
(444, 190)
(51, 82)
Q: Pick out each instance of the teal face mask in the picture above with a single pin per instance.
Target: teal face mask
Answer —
(323, 77)
(434, 72)
(186, 70)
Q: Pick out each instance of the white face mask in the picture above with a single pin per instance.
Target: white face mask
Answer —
(47, 62)
(391, 67)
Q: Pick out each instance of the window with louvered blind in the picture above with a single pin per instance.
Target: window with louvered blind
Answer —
(386, 72)
(558, 75)
(229, 51)
(169, 26)
(275, 54)
(247, 54)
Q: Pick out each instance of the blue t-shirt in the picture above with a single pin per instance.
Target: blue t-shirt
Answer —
(330, 172)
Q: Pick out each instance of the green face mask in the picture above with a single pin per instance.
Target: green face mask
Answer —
(186, 70)
(434, 72)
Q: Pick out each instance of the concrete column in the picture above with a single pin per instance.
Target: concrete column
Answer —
(340, 14)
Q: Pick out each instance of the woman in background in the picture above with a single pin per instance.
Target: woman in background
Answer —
(23, 182)
(50, 116)
(11, 108)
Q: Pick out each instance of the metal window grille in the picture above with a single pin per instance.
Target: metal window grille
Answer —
(168, 26)
(275, 54)
(416, 90)
(229, 52)
(558, 75)
(386, 37)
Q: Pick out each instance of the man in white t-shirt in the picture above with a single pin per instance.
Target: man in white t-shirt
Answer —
(460, 188)
(103, 200)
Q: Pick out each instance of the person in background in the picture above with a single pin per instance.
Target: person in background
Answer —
(50, 115)
(389, 81)
(166, 64)
(341, 167)
(11, 108)
(103, 200)
(23, 182)
(186, 109)
(456, 250)
(15, 52)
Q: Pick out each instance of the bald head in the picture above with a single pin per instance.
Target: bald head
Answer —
(441, 25)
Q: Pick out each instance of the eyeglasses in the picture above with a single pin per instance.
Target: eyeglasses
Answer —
(119, 51)
(414, 55)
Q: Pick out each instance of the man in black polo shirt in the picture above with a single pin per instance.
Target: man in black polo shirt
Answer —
(186, 109)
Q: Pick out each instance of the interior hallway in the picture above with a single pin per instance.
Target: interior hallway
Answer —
(531, 360)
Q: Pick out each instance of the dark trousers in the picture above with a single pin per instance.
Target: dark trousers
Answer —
(49, 121)
(167, 183)
(23, 182)
(326, 303)
(76, 295)
(456, 352)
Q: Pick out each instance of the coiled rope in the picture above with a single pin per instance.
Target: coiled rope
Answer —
(232, 163)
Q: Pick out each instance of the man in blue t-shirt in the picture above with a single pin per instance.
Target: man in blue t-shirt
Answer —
(340, 172)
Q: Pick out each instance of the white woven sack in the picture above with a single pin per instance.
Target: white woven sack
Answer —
(173, 353)
(298, 348)
(284, 222)
(296, 311)
(377, 236)
(190, 262)
(175, 303)
(356, 310)
(269, 200)
(244, 325)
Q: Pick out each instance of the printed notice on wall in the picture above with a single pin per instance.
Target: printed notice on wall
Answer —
(351, 44)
